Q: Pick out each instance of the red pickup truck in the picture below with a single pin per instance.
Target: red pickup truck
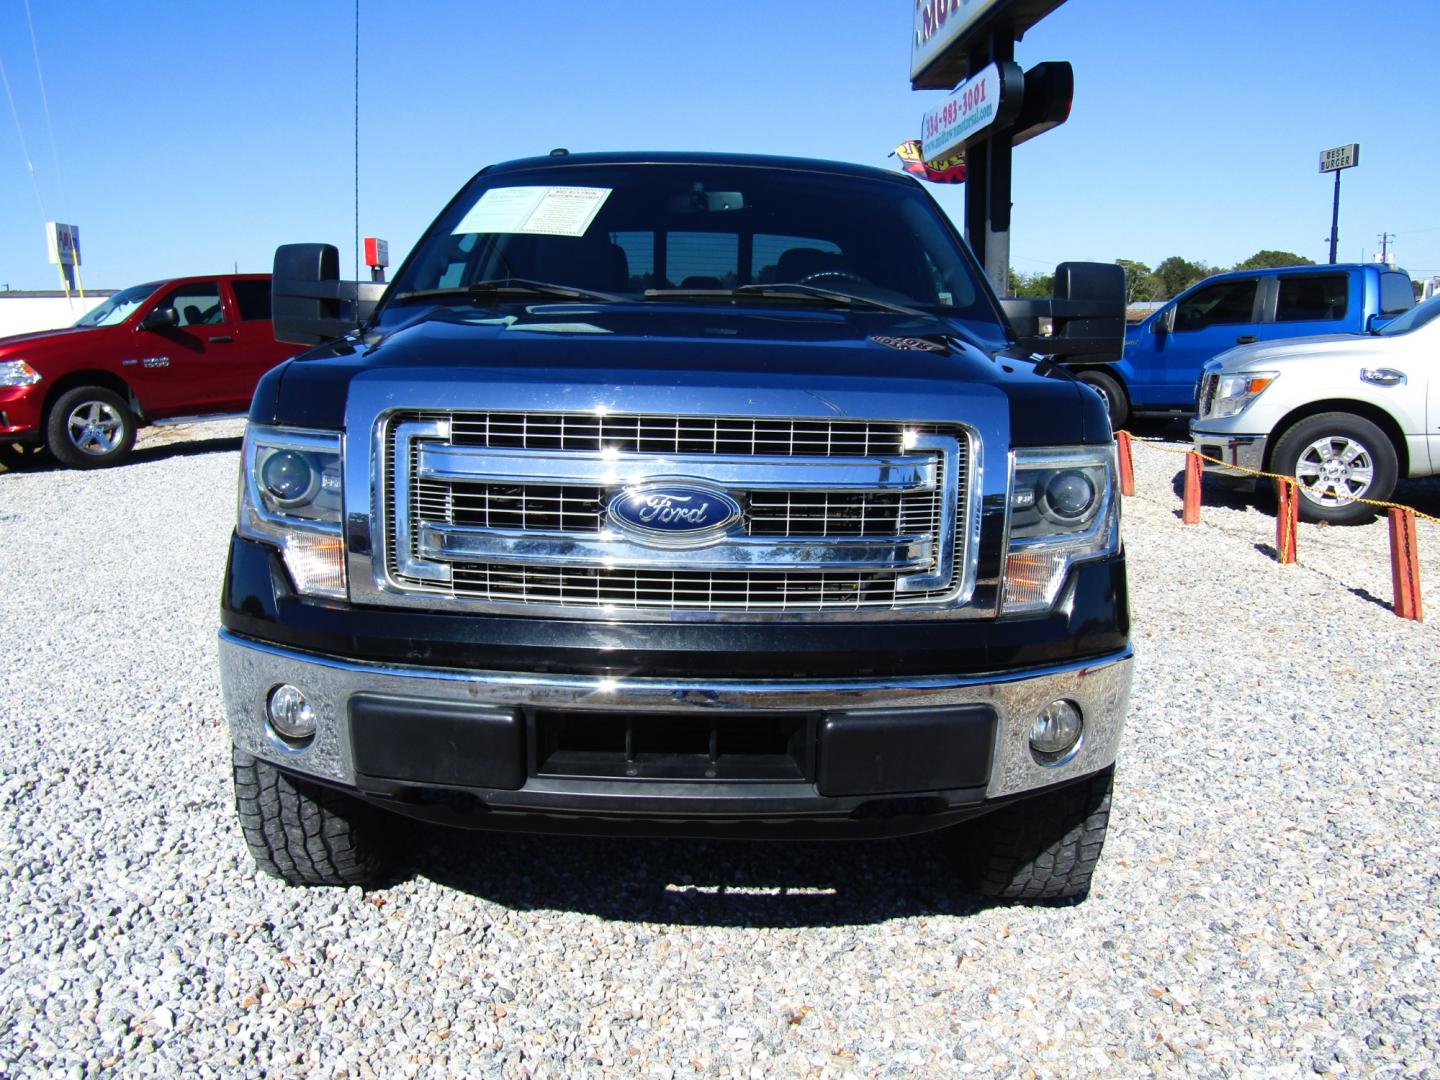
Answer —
(162, 351)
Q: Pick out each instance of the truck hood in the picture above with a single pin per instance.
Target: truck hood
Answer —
(690, 357)
(46, 339)
(1304, 349)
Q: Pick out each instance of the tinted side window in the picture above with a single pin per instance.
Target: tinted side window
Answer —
(253, 298)
(196, 304)
(1312, 298)
(1396, 294)
(1224, 303)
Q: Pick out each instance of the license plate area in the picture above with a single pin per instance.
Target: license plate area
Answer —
(709, 746)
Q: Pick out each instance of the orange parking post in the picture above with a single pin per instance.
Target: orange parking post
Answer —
(1405, 564)
(1191, 508)
(1287, 520)
(1126, 462)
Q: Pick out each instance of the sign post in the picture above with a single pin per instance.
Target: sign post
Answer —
(1335, 160)
(989, 111)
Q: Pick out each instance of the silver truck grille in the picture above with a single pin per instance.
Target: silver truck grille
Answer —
(510, 509)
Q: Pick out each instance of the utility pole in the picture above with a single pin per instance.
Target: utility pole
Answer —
(1385, 238)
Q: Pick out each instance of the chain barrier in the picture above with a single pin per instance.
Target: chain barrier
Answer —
(1404, 553)
(1276, 476)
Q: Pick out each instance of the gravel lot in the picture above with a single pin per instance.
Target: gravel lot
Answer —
(1265, 905)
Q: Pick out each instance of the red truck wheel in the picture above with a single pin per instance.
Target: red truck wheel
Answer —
(90, 428)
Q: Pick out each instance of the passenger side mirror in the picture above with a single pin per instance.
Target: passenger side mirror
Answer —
(159, 318)
(309, 303)
(1165, 321)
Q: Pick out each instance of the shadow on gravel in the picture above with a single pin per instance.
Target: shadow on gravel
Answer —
(192, 448)
(701, 882)
(154, 452)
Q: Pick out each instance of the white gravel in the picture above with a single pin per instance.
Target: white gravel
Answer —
(1265, 905)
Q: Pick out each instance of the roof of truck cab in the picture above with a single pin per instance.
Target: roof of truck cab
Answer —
(671, 157)
(1306, 268)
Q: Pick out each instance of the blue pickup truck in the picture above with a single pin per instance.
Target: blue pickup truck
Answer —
(1164, 354)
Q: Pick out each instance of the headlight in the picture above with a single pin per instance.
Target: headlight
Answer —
(1062, 510)
(1235, 392)
(17, 373)
(290, 496)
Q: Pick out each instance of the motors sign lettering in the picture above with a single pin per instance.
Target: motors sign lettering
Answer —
(967, 111)
(940, 22)
(945, 33)
(1340, 157)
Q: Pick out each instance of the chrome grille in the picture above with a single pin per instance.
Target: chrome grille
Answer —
(677, 434)
(457, 529)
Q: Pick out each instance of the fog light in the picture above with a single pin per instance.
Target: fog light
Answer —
(290, 714)
(1055, 734)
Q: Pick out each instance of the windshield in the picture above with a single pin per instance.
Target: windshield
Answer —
(1413, 319)
(120, 306)
(662, 232)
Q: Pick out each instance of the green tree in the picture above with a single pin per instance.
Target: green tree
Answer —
(1175, 275)
(1140, 283)
(1032, 284)
(1266, 259)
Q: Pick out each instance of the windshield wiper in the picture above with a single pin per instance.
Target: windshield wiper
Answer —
(509, 286)
(784, 290)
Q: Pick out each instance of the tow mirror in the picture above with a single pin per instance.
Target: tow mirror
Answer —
(160, 318)
(308, 301)
(1164, 321)
(1087, 312)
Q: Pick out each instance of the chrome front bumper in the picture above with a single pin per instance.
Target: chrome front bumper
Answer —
(1246, 451)
(250, 670)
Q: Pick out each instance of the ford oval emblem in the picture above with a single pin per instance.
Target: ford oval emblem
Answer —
(673, 515)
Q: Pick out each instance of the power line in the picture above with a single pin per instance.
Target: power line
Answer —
(45, 103)
(24, 146)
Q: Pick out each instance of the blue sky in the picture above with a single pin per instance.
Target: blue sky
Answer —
(189, 138)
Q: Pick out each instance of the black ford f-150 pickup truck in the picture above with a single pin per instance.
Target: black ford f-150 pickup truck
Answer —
(693, 494)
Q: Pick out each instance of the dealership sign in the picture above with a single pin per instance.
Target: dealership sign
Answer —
(945, 32)
(970, 110)
(1340, 157)
(63, 242)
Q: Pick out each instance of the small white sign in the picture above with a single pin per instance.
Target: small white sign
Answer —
(64, 243)
(1340, 157)
(968, 110)
(548, 211)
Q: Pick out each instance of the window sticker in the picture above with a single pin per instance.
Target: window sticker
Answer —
(546, 211)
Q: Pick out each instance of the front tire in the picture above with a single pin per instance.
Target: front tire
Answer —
(1045, 847)
(1110, 390)
(305, 833)
(90, 428)
(1338, 457)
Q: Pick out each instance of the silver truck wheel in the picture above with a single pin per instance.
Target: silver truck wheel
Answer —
(1338, 458)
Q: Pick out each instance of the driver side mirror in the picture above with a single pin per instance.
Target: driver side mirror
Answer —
(160, 318)
(1164, 322)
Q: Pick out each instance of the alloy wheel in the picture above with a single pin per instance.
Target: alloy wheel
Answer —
(95, 428)
(1335, 470)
